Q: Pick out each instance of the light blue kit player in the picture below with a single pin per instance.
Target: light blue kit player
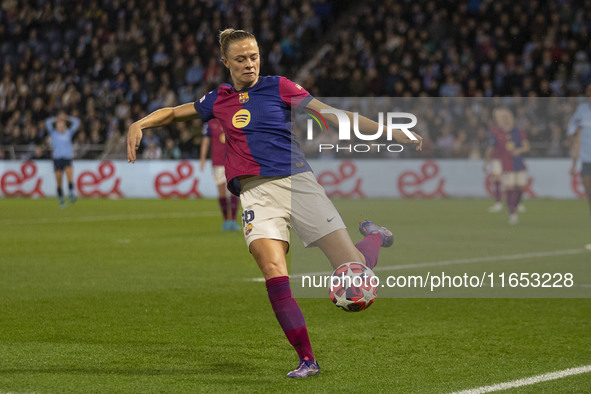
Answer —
(579, 131)
(63, 152)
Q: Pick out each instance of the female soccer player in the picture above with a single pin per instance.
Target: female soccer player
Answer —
(510, 143)
(214, 136)
(579, 131)
(255, 113)
(63, 153)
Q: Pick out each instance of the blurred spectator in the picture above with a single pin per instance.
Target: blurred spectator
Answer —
(171, 150)
(152, 152)
(187, 144)
(119, 59)
(122, 60)
(115, 147)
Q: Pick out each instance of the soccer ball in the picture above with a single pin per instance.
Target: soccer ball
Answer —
(353, 287)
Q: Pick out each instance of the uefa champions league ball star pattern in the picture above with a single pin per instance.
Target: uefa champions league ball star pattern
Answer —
(353, 287)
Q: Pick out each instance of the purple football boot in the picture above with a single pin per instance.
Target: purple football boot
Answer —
(306, 368)
(367, 227)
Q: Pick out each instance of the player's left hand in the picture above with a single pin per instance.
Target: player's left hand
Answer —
(134, 137)
(401, 137)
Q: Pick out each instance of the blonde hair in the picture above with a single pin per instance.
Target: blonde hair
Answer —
(228, 36)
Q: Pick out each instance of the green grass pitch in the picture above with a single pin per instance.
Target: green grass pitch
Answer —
(146, 296)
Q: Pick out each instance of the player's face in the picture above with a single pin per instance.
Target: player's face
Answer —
(504, 119)
(243, 61)
(60, 126)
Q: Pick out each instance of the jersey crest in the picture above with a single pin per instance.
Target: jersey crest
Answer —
(243, 97)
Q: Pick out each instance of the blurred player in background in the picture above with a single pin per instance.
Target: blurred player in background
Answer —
(63, 153)
(579, 132)
(494, 167)
(213, 134)
(510, 144)
(262, 160)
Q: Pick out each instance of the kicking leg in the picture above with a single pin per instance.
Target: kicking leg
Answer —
(270, 257)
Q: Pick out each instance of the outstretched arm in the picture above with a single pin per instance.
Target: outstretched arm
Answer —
(159, 118)
(366, 124)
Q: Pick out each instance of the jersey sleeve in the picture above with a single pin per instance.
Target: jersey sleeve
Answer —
(522, 135)
(293, 94)
(204, 106)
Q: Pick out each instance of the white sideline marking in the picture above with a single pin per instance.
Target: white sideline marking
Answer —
(528, 381)
(519, 256)
(107, 218)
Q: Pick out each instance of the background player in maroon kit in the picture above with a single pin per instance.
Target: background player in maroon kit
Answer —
(510, 143)
(213, 135)
(262, 159)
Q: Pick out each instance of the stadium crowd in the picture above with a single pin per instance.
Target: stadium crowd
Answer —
(108, 62)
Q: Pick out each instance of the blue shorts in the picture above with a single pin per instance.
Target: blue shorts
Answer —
(586, 170)
(60, 164)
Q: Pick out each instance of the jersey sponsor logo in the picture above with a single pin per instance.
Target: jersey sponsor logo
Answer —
(243, 97)
(223, 138)
(509, 145)
(241, 118)
(298, 86)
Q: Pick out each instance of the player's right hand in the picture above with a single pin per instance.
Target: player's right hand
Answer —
(134, 137)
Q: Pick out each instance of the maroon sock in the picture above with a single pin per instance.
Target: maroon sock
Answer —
(289, 315)
(498, 193)
(224, 207)
(233, 205)
(370, 248)
(511, 199)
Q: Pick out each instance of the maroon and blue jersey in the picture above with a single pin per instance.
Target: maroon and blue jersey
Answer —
(504, 143)
(257, 124)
